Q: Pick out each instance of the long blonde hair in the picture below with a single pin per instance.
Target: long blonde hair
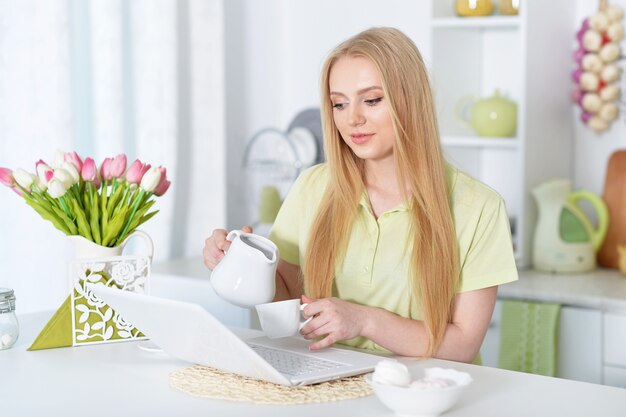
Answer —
(420, 168)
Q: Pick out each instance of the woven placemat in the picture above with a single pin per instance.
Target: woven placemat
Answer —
(206, 382)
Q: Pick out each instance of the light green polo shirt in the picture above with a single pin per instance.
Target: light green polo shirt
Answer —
(375, 271)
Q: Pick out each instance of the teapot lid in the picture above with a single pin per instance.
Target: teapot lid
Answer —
(497, 95)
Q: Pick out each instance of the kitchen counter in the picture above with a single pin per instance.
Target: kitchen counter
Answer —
(602, 289)
(120, 378)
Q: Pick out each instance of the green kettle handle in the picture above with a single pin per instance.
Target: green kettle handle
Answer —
(597, 234)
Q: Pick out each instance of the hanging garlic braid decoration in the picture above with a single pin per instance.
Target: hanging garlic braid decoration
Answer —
(597, 75)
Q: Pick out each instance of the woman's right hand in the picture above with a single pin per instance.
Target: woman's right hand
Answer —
(216, 245)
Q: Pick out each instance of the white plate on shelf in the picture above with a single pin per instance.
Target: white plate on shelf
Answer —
(305, 144)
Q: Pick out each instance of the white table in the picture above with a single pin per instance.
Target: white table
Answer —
(121, 379)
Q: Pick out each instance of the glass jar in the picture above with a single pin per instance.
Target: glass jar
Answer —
(9, 327)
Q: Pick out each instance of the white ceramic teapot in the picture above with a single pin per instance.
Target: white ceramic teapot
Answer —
(246, 276)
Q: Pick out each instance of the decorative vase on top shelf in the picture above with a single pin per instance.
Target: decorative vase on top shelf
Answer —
(470, 8)
(508, 7)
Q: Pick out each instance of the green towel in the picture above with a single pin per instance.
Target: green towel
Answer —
(528, 337)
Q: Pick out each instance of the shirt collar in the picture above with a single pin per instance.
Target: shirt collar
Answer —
(364, 202)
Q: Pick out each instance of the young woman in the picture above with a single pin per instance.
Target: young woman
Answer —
(393, 249)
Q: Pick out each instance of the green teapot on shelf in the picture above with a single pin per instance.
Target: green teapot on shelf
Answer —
(494, 116)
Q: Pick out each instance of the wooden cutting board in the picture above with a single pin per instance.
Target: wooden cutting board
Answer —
(615, 198)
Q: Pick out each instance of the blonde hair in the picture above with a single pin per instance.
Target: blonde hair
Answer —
(420, 168)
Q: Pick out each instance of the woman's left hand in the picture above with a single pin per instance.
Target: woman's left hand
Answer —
(334, 318)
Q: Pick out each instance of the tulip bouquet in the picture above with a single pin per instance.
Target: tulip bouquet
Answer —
(103, 205)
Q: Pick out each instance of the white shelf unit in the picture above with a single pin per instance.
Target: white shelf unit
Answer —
(528, 59)
(477, 22)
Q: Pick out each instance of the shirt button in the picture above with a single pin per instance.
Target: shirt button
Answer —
(366, 269)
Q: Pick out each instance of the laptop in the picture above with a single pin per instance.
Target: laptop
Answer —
(187, 331)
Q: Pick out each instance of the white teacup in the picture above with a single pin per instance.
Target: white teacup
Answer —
(282, 318)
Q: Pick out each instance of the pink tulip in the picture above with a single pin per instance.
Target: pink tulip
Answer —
(6, 177)
(89, 171)
(136, 171)
(44, 175)
(118, 166)
(74, 159)
(44, 172)
(163, 185)
(105, 169)
(162, 188)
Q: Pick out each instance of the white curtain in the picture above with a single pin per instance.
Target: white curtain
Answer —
(103, 77)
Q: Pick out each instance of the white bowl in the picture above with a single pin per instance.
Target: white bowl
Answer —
(423, 402)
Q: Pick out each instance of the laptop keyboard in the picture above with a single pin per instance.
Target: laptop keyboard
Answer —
(293, 364)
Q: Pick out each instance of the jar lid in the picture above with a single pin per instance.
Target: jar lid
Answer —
(7, 300)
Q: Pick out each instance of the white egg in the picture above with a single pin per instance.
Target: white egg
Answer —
(591, 103)
(615, 32)
(599, 21)
(589, 81)
(609, 52)
(610, 73)
(597, 124)
(608, 112)
(592, 40)
(610, 92)
(592, 62)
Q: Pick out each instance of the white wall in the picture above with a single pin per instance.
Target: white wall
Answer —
(102, 78)
(274, 53)
(275, 49)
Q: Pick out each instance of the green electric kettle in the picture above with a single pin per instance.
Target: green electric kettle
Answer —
(565, 239)
(494, 116)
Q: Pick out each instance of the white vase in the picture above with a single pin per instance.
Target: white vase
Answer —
(86, 249)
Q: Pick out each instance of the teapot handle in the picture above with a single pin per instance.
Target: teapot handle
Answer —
(461, 110)
(597, 234)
